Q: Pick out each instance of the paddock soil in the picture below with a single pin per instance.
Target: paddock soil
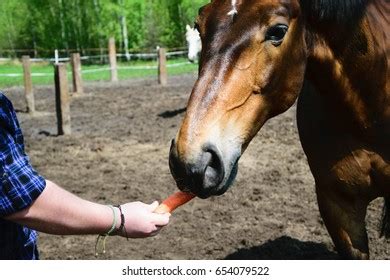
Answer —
(118, 152)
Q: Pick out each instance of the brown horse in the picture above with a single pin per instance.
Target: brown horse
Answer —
(258, 56)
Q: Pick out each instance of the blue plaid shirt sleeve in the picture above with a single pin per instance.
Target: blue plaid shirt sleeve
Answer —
(20, 184)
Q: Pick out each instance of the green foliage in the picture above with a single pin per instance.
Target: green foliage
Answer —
(86, 24)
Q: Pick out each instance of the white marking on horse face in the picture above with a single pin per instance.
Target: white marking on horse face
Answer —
(234, 8)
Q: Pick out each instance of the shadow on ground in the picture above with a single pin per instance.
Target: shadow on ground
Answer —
(285, 248)
(171, 114)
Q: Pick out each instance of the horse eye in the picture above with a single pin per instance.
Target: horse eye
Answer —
(276, 34)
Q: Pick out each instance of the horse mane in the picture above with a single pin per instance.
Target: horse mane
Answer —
(334, 11)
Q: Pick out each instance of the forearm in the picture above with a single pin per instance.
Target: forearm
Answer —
(57, 211)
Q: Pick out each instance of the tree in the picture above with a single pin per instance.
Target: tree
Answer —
(85, 24)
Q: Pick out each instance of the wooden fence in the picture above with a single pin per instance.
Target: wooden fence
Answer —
(62, 92)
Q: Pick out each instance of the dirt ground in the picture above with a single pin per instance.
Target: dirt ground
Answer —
(118, 152)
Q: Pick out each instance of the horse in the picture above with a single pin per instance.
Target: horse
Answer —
(258, 58)
(194, 43)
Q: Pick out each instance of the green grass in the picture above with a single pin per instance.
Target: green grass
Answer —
(15, 67)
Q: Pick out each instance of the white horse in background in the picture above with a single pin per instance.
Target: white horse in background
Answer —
(194, 43)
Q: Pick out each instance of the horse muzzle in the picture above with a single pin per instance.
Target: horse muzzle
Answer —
(204, 175)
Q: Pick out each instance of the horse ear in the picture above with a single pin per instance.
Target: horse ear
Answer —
(188, 27)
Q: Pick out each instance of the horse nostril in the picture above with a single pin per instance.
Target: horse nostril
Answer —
(203, 175)
(214, 171)
(215, 162)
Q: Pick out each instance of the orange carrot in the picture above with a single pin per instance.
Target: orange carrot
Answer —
(173, 201)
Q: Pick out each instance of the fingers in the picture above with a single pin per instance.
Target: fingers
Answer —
(153, 206)
(141, 221)
(161, 219)
(155, 232)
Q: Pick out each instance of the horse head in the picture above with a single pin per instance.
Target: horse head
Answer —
(194, 43)
(251, 68)
(255, 56)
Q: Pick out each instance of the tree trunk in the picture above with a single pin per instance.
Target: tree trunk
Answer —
(96, 6)
(62, 22)
(123, 24)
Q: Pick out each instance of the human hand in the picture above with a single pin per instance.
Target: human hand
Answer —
(141, 221)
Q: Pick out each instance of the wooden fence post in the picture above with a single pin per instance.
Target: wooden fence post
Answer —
(112, 58)
(56, 57)
(162, 67)
(76, 71)
(62, 99)
(28, 87)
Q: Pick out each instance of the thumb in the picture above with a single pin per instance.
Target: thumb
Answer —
(153, 206)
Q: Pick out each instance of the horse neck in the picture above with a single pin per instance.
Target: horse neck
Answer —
(349, 66)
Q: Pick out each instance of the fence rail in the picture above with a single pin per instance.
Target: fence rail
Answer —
(103, 69)
(141, 55)
(105, 56)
